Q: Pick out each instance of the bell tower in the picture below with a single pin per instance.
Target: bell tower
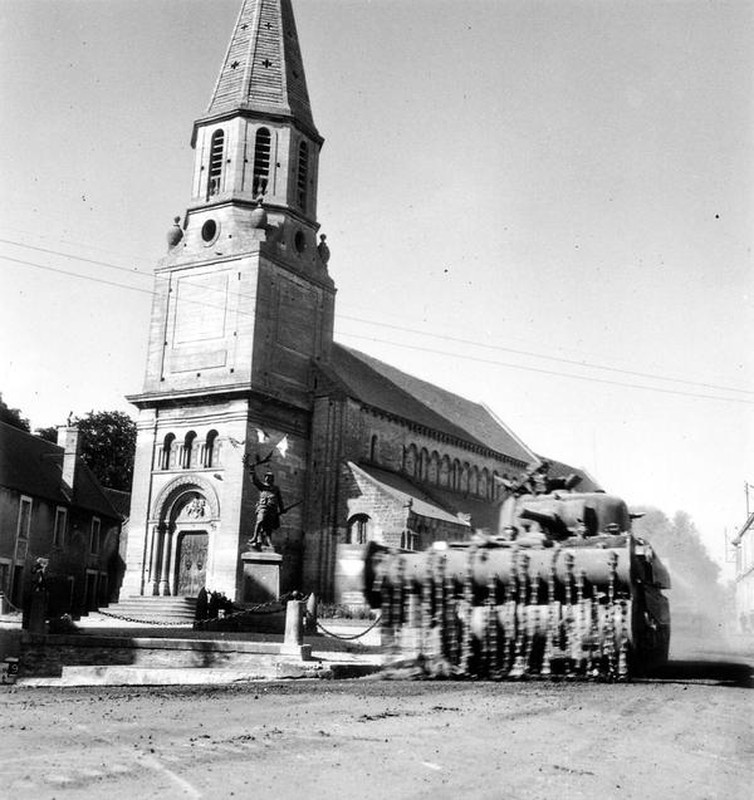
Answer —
(243, 307)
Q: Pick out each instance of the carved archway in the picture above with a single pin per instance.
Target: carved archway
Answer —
(171, 498)
(184, 515)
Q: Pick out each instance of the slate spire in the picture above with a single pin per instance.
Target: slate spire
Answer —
(263, 72)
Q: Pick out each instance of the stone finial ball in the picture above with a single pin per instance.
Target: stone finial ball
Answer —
(175, 234)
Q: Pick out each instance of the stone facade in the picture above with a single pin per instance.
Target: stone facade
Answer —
(241, 363)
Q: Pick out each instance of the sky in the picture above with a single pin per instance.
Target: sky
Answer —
(543, 206)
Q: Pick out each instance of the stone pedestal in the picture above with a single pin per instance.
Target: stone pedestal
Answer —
(261, 576)
(37, 612)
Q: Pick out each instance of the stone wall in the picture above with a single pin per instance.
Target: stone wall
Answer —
(47, 655)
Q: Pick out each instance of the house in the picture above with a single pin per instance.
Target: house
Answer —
(52, 507)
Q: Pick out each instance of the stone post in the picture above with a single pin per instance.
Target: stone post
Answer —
(293, 644)
(294, 623)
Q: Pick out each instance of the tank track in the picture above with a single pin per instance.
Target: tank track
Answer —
(528, 626)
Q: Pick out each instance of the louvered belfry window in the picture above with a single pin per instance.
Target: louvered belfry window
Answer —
(303, 174)
(261, 161)
(215, 162)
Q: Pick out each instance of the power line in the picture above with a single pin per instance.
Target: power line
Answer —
(546, 357)
(501, 348)
(96, 262)
(551, 372)
(77, 275)
(415, 347)
(114, 283)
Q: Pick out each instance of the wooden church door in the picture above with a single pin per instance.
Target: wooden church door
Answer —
(192, 563)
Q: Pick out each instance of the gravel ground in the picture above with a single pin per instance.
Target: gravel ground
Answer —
(687, 735)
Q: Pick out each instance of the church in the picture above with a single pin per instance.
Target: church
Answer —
(242, 369)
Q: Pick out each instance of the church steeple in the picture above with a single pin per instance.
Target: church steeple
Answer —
(257, 137)
(244, 297)
(263, 72)
(243, 311)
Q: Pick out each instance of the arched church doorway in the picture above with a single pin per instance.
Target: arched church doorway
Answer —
(186, 518)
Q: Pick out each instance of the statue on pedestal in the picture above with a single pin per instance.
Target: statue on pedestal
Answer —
(269, 507)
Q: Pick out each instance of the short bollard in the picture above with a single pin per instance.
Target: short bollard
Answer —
(293, 644)
(9, 670)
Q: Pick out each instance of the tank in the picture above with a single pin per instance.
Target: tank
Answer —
(564, 588)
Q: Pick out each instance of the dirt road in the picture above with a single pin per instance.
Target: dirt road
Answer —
(689, 736)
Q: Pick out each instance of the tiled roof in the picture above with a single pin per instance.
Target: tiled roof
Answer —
(434, 502)
(120, 501)
(559, 469)
(404, 491)
(371, 381)
(263, 70)
(33, 466)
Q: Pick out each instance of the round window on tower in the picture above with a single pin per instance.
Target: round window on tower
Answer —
(299, 241)
(209, 231)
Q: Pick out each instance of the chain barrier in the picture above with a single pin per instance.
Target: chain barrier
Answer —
(342, 638)
(272, 607)
(7, 602)
(261, 608)
(142, 621)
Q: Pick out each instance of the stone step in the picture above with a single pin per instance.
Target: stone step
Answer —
(174, 609)
(167, 601)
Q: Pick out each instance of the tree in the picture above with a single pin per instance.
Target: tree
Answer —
(694, 575)
(108, 445)
(13, 416)
(48, 434)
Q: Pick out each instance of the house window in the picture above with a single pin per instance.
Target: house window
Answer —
(261, 161)
(484, 479)
(95, 533)
(496, 486)
(373, 449)
(410, 460)
(434, 467)
(24, 518)
(423, 464)
(167, 448)
(358, 529)
(188, 450)
(409, 540)
(210, 450)
(216, 148)
(464, 487)
(61, 523)
(445, 472)
(5, 572)
(456, 476)
(303, 174)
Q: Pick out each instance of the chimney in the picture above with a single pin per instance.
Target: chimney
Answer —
(68, 438)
